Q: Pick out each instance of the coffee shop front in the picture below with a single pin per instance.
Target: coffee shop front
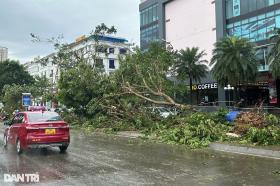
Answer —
(205, 94)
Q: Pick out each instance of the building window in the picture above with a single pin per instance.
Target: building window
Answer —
(123, 51)
(112, 64)
(99, 63)
(149, 35)
(111, 50)
(51, 74)
(101, 49)
(256, 28)
(240, 7)
(149, 15)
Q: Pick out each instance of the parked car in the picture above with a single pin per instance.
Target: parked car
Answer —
(37, 108)
(37, 130)
(162, 111)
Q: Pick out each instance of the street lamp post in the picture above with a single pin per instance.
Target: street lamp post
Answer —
(229, 88)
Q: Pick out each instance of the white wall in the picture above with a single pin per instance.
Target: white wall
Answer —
(191, 23)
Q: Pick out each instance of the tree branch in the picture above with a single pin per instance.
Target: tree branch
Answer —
(169, 101)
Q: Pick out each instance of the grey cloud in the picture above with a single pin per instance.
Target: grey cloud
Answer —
(71, 18)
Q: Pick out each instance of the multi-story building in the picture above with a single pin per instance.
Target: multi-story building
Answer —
(255, 20)
(151, 21)
(181, 24)
(200, 23)
(44, 67)
(3, 53)
(107, 55)
(105, 50)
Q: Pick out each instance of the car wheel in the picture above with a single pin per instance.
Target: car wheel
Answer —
(63, 149)
(5, 142)
(18, 146)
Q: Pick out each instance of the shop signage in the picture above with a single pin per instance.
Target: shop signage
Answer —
(205, 86)
(236, 7)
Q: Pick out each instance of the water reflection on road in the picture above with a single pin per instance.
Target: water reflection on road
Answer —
(107, 160)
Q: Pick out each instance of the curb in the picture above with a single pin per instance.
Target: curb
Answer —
(250, 151)
(127, 134)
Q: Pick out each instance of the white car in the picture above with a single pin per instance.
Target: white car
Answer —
(162, 111)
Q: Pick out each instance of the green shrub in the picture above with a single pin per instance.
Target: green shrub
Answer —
(199, 131)
(260, 136)
(272, 119)
(266, 136)
(220, 116)
(72, 119)
(196, 118)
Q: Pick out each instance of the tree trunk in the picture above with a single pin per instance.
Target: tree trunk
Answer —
(278, 91)
(191, 83)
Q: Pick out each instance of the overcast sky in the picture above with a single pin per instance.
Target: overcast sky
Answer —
(72, 18)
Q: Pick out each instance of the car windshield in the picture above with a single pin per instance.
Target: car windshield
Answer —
(43, 117)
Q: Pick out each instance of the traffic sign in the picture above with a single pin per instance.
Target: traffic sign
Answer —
(26, 99)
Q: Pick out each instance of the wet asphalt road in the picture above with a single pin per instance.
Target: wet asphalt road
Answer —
(106, 160)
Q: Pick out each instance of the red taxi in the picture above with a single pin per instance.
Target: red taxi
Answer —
(37, 130)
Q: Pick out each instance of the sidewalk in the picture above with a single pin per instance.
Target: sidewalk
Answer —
(267, 152)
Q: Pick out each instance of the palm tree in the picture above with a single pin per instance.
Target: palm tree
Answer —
(234, 61)
(190, 66)
(274, 55)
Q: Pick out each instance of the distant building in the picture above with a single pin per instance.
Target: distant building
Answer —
(108, 55)
(3, 53)
(44, 67)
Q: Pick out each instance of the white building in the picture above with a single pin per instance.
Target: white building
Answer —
(181, 23)
(186, 25)
(3, 53)
(44, 67)
(108, 55)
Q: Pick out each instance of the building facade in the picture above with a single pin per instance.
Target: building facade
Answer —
(200, 23)
(255, 20)
(44, 67)
(184, 26)
(151, 21)
(179, 24)
(107, 55)
(3, 53)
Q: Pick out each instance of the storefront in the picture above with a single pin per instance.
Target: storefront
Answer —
(264, 90)
(205, 94)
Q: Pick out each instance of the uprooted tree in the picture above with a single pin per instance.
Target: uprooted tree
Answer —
(144, 75)
(141, 80)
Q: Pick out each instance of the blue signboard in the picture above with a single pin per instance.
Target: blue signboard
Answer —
(26, 99)
(236, 8)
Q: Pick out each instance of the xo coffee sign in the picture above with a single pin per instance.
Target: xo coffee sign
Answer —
(205, 86)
